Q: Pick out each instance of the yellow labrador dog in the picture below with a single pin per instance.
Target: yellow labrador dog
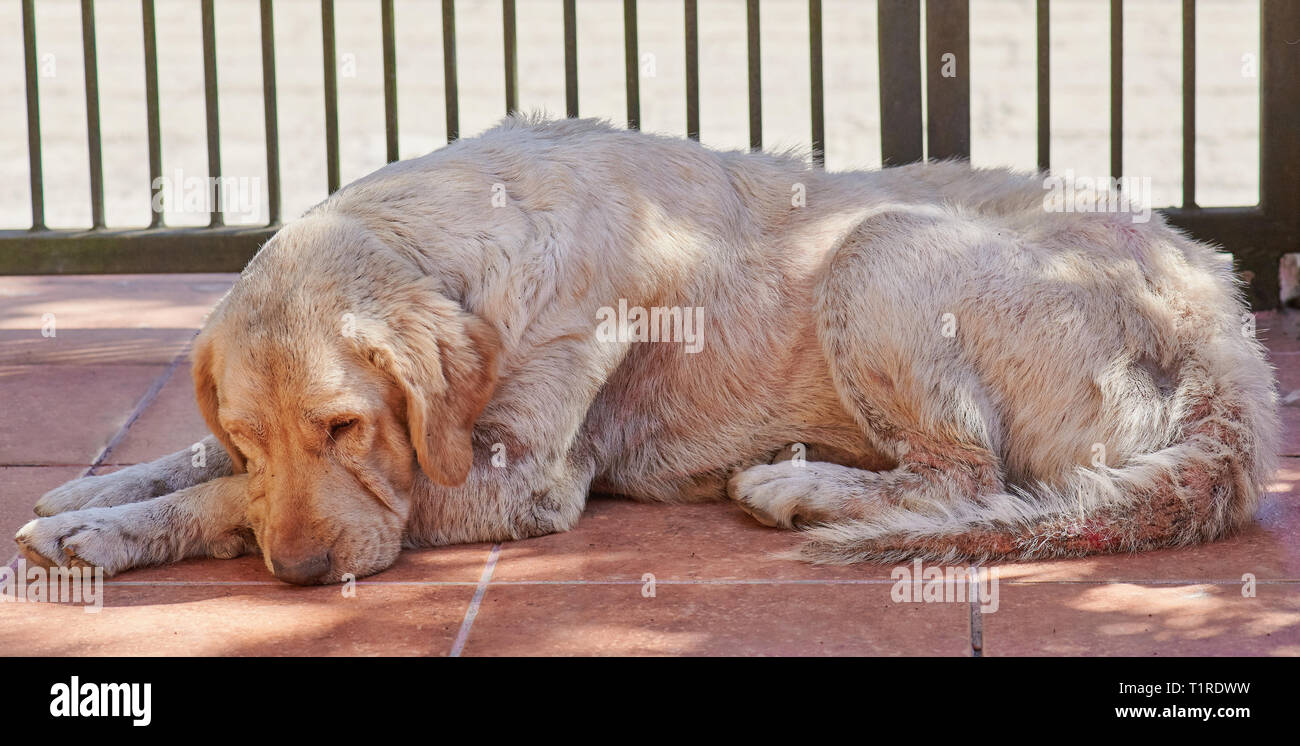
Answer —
(928, 361)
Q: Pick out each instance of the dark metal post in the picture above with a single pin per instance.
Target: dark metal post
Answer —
(900, 82)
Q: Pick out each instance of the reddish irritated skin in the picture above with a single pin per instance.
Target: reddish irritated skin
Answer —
(1092, 537)
(1095, 537)
(1179, 508)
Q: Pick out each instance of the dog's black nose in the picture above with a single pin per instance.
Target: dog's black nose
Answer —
(309, 571)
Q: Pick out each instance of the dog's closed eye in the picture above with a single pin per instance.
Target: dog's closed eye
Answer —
(341, 427)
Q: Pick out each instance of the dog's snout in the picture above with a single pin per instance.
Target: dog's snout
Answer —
(302, 571)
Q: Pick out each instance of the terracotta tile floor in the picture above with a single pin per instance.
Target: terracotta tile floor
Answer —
(112, 388)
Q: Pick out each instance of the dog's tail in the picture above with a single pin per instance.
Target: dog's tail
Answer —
(1204, 484)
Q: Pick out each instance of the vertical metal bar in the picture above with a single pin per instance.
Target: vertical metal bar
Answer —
(93, 137)
(755, 76)
(692, 71)
(511, 55)
(33, 116)
(210, 99)
(331, 96)
(815, 84)
(271, 116)
(947, 32)
(900, 82)
(631, 63)
(1116, 88)
(390, 79)
(1189, 103)
(570, 59)
(1279, 158)
(1044, 39)
(449, 77)
(152, 118)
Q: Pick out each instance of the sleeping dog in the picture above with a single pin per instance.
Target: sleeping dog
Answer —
(930, 361)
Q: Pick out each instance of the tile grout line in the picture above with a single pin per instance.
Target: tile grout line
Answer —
(470, 613)
(149, 396)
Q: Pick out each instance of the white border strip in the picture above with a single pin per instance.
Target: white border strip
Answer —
(472, 611)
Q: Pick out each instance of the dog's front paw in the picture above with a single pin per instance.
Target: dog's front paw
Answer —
(129, 485)
(77, 539)
(73, 495)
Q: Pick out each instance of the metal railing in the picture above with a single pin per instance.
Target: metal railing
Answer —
(1257, 235)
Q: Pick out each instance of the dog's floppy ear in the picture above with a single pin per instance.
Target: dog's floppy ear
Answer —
(444, 360)
(205, 390)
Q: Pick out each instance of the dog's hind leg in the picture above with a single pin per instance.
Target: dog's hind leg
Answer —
(933, 474)
(205, 520)
(903, 376)
(204, 461)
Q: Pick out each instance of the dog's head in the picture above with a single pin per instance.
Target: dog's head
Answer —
(336, 376)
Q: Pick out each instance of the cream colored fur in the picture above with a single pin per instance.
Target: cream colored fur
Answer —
(414, 363)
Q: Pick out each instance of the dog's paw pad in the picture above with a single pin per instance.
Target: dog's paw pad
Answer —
(60, 541)
(88, 549)
(39, 546)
